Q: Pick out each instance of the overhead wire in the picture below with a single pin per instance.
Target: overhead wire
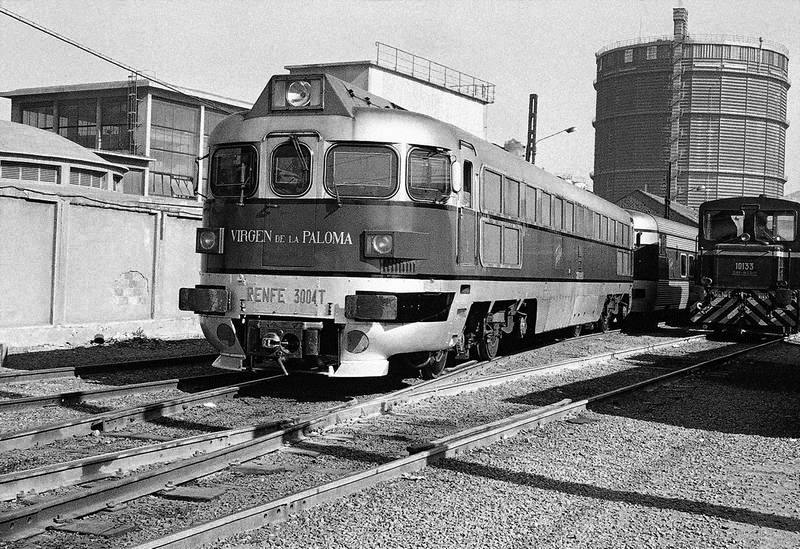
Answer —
(108, 59)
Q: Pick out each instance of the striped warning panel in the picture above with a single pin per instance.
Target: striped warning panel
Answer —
(748, 310)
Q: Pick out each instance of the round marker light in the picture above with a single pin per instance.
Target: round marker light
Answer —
(382, 243)
(208, 240)
(299, 93)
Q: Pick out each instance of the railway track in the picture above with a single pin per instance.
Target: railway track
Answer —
(419, 457)
(228, 447)
(75, 371)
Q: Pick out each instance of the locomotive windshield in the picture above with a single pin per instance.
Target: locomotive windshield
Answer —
(361, 171)
(428, 174)
(291, 169)
(762, 226)
(233, 171)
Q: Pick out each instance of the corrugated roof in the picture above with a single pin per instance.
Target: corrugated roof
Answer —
(29, 141)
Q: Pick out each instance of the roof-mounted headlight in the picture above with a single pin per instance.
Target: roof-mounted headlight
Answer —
(297, 93)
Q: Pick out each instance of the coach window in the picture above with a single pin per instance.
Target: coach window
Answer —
(568, 216)
(368, 171)
(510, 197)
(603, 227)
(530, 204)
(428, 175)
(558, 213)
(490, 193)
(587, 222)
(466, 185)
(596, 225)
(579, 216)
(544, 208)
(691, 266)
(618, 233)
(291, 169)
(234, 171)
(684, 266)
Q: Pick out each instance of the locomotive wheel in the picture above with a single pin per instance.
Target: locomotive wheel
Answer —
(435, 364)
(487, 348)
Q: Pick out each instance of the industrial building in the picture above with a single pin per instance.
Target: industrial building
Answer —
(156, 132)
(691, 117)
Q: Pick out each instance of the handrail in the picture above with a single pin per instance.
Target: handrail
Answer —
(701, 39)
(435, 73)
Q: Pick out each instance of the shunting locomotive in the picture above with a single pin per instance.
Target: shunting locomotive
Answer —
(664, 254)
(749, 265)
(343, 233)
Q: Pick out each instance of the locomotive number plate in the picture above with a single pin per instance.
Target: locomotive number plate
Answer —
(298, 296)
(744, 268)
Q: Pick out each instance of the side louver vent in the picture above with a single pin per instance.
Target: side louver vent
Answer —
(398, 266)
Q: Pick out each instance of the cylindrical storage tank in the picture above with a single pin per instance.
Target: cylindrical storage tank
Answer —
(632, 126)
(722, 98)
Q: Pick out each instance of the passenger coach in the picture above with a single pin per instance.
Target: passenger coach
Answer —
(342, 231)
(664, 253)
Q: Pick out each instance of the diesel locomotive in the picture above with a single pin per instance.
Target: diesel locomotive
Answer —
(343, 233)
(749, 265)
(664, 255)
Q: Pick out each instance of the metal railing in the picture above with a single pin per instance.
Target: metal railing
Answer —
(739, 39)
(426, 70)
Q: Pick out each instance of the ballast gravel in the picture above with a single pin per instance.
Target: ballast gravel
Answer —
(706, 461)
(543, 489)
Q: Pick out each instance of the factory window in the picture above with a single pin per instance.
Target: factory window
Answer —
(77, 121)
(38, 116)
(361, 171)
(490, 193)
(88, 178)
(428, 175)
(629, 56)
(28, 172)
(510, 197)
(652, 52)
(173, 144)
(114, 134)
(210, 122)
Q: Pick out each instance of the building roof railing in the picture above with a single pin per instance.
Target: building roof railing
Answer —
(426, 70)
(738, 39)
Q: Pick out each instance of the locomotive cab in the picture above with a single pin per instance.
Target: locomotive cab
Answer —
(749, 265)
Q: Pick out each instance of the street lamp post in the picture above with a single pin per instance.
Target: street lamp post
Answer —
(533, 148)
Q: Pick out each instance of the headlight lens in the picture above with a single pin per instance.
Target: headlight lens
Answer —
(208, 240)
(382, 243)
(299, 93)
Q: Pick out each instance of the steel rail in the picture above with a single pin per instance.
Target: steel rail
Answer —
(116, 418)
(279, 510)
(8, 376)
(76, 397)
(34, 519)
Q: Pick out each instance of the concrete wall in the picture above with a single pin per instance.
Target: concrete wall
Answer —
(417, 96)
(75, 266)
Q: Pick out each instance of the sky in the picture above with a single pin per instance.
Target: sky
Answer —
(537, 46)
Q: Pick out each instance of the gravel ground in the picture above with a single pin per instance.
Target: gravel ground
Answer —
(706, 461)
(361, 444)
